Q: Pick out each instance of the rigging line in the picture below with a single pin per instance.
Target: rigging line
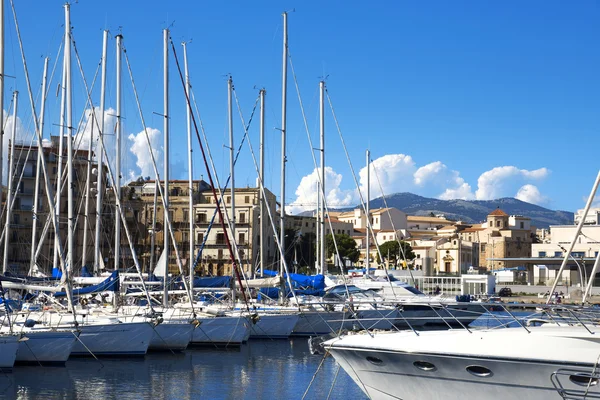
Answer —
(117, 199)
(226, 184)
(157, 183)
(44, 167)
(393, 227)
(228, 242)
(322, 188)
(271, 219)
(362, 201)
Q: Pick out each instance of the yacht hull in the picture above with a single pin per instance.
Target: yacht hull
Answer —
(8, 352)
(273, 326)
(534, 364)
(45, 347)
(221, 331)
(316, 323)
(400, 379)
(171, 336)
(116, 339)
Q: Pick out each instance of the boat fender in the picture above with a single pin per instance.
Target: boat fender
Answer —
(254, 318)
(83, 302)
(354, 274)
(196, 323)
(30, 323)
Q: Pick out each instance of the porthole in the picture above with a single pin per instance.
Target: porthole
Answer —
(479, 371)
(424, 366)
(584, 380)
(374, 360)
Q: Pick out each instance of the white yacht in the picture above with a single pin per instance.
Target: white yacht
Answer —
(535, 363)
(100, 335)
(8, 351)
(44, 345)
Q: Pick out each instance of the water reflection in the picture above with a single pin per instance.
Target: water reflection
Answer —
(262, 369)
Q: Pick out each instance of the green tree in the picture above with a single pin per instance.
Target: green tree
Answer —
(393, 249)
(346, 246)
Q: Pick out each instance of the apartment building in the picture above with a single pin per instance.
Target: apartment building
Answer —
(25, 165)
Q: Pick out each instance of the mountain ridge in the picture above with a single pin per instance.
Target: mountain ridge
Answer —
(471, 211)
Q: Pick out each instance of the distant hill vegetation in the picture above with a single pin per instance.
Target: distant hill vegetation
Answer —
(473, 211)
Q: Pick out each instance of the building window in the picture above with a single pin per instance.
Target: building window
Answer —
(242, 218)
(247, 199)
(200, 238)
(242, 238)
(578, 254)
(201, 218)
(220, 238)
(306, 224)
(186, 215)
(483, 247)
(497, 224)
(228, 199)
(522, 225)
(558, 254)
(185, 236)
(220, 254)
(542, 254)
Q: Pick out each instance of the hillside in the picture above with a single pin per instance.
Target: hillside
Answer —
(474, 211)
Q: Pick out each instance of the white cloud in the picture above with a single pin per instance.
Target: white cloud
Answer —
(21, 136)
(400, 173)
(438, 175)
(306, 193)
(503, 181)
(139, 148)
(531, 194)
(462, 192)
(393, 171)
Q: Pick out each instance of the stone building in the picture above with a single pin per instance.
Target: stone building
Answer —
(25, 164)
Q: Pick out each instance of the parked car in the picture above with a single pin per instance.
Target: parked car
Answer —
(505, 292)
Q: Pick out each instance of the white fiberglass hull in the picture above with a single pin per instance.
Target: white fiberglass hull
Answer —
(273, 326)
(506, 364)
(316, 323)
(46, 346)
(174, 336)
(8, 351)
(221, 331)
(114, 339)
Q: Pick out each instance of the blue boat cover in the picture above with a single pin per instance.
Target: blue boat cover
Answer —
(214, 282)
(300, 281)
(109, 284)
(56, 273)
(85, 273)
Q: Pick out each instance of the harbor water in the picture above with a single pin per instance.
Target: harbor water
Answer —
(264, 369)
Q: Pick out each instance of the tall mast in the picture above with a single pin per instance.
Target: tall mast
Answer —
(1, 92)
(69, 126)
(10, 182)
(99, 158)
(88, 187)
(188, 87)
(322, 188)
(119, 131)
(367, 243)
(261, 226)
(283, 134)
(166, 160)
(318, 230)
(231, 157)
(153, 237)
(61, 151)
(37, 174)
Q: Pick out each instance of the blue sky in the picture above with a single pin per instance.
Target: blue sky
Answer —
(462, 99)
